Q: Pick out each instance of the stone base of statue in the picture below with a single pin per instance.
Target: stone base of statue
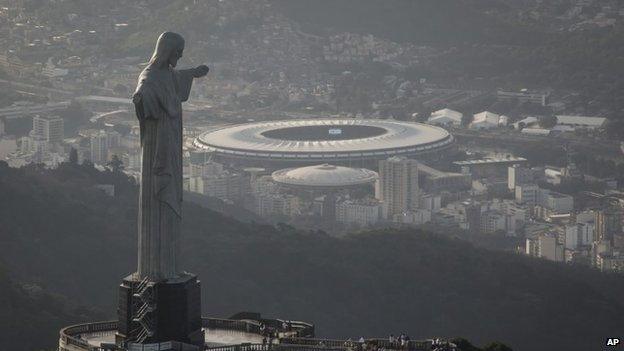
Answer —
(157, 312)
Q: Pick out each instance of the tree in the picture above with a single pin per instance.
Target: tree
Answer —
(74, 116)
(547, 122)
(497, 346)
(73, 156)
(120, 89)
(115, 164)
(464, 344)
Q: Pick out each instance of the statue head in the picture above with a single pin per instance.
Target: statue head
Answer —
(168, 51)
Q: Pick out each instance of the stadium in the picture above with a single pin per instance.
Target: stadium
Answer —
(314, 141)
(324, 177)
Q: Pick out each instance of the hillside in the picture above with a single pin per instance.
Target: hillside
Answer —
(476, 43)
(222, 27)
(433, 22)
(30, 317)
(465, 44)
(60, 233)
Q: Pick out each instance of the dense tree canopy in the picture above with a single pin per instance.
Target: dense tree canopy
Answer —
(83, 241)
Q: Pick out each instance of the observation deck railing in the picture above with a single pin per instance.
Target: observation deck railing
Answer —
(297, 337)
(324, 344)
(70, 337)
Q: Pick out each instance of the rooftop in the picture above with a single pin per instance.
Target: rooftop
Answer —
(446, 114)
(581, 120)
(324, 175)
(332, 137)
(490, 161)
(434, 173)
(536, 131)
(486, 116)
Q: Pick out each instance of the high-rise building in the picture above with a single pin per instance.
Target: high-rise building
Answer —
(610, 262)
(36, 146)
(362, 212)
(431, 202)
(398, 184)
(555, 202)
(205, 169)
(414, 217)
(101, 142)
(527, 194)
(518, 174)
(325, 207)
(51, 128)
(579, 235)
(515, 216)
(473, 216)
(99, 148)
(492, 221)
(267, 205)
(545, 246)
(225, 185)
(524, 95)
(608, 224)
(533, 195)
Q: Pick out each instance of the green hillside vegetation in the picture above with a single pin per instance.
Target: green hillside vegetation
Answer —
(31, 317)
(63, 235)
(424, 22)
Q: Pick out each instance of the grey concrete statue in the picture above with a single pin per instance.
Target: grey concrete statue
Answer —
(158, 101)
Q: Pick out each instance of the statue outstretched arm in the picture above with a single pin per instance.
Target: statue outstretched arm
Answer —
(184, 79)
(201, 71)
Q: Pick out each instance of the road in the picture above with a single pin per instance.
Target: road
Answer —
(606, 148)
(14, 112)
(37, 89)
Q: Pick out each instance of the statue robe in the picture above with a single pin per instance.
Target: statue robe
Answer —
(158, 104)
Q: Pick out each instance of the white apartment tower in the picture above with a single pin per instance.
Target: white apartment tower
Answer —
(51, 128)
(101, 142)
(545, 246)
(397, 186)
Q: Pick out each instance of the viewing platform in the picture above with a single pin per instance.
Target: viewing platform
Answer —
(218, 333)
(239, 335)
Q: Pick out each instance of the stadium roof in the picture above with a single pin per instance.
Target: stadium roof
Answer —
(324, 176)
(332, 138)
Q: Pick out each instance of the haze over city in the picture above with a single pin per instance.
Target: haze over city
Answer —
(311, 175)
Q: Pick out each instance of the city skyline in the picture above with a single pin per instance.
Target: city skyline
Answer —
(342, 163)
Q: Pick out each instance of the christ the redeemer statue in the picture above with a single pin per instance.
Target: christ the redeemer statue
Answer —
(158, 101)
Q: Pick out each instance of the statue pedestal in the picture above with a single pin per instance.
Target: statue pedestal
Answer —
(160, 311)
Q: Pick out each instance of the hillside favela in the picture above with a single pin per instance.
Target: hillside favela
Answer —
(311, 175)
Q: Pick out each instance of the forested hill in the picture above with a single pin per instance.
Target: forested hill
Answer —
(63, 235)
(425, 21)
(31, 317)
